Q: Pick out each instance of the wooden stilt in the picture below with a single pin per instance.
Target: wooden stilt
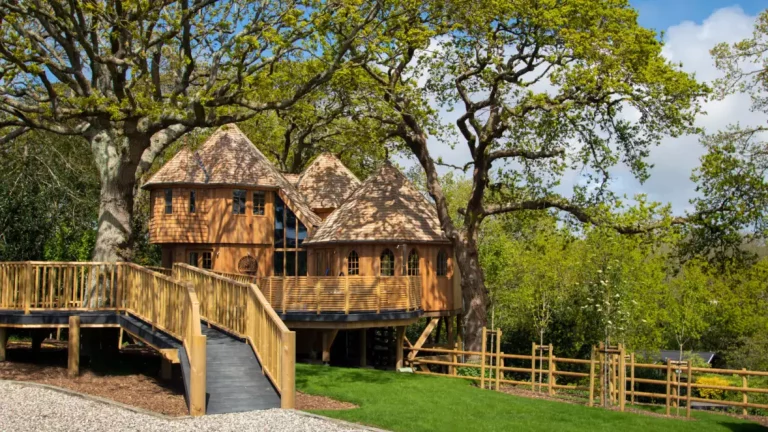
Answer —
(363, 348)
(328, 337)
(482, 358)
(73, 350)
(592, 377)
(451, 343)
(399, 338)
(166, 369)
(423, 338)
(3, 340)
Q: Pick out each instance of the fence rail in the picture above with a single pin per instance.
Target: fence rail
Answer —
(169, 305)
(241, 308)
(338, 294)
(610, 375)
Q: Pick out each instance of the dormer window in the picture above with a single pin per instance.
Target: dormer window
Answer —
(169, 201)
(238, 202)
(192, 202)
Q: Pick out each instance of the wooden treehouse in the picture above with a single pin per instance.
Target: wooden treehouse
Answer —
(259, 268)
(330, 253)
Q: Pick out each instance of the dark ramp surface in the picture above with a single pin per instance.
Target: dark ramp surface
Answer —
(234, 380)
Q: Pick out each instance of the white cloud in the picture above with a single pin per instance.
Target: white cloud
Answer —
(675, 158)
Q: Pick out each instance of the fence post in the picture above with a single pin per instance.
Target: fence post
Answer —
(533, 367)
(669, 384)
(592, 377)
(498, 357)
(482, 360)
(622, 379)
(632, 376)
(688, 391)
(744, 394)
(551, 378)
(288, 370)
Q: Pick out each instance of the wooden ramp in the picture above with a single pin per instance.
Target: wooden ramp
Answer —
(235, 381)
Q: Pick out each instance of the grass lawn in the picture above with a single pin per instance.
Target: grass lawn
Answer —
(407, 402)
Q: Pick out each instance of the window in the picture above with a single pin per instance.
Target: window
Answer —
(248, 265)
(290, 228)
(279, 262)
(238, 202)
(193, 259)
(207, 260)
(353, 264)
(192, 201)
(413, 263)
(442, 263)
(279, 224)
(301, 256)
(387, 263)
(169, 201)
(259, 199)
(302, 233)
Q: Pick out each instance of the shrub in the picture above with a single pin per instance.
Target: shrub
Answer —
(714, 394)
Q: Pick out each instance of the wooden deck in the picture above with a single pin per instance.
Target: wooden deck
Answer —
(248, 342)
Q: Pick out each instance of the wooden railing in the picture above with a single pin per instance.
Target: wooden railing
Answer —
(347, 294)
(169, 305)
(240, 308)
(609, 375)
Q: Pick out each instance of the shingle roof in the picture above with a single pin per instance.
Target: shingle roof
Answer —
(228, 157)
(292, 178)
(386, 207)
(326, 182)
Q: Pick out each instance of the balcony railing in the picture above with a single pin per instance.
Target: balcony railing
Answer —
(338, 294)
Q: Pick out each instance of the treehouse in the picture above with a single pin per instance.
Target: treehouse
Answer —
(329, 252)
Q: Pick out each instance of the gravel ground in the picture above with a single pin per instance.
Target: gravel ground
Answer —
(36, 409)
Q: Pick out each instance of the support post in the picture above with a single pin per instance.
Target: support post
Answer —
(744, 394)
(622, 379)
(688, 391)
(363, 347)
(498, 358)
(669, 385)
(451, 343)
(166, 369)
(592, 377)
(3, 340)
(551, 379)
(533, 367)
(632, 376)
(399, 339)
(482, 358)
(288, 378)
(73, 347)
(328, 337)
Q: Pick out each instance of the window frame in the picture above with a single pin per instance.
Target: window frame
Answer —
(168, 194)
(410, 270)
(441, 263)
(193, 201)
(353, 263)
(391, 266)
(238, 210)
(210, 260)
(260, 206)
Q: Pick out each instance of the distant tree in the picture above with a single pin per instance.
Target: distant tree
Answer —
(539, 88)
(132, 77)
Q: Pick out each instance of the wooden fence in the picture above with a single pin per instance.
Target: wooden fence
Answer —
(609, 375)
(169, 305)
(347, 294)
(240, 308)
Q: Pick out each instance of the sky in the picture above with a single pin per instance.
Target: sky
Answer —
(691, 28)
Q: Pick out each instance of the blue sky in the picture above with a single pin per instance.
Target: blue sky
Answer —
(661, 14)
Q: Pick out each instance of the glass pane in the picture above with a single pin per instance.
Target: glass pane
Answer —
(258, 203)
(192, 202)
(279, 227)
(193, 259)
(207, 261)
(302, 233)
(279, 257)
(168, 201)
(238, 202)
(290, 263)
(302, 263)
(290, 228)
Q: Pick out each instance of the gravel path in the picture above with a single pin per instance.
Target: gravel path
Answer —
(36, 409)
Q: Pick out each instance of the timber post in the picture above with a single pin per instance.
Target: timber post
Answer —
(688, 395)
(744, 385)
(622, 379)
(3, 340)
(533, 367)
(399, 339)
(498, 358)
(363, 347)
(482, 358)
(73, 347)
(551, 377)
(592, 377)
(669, 385)
(288, 371)
(632, 377)
(166, 369)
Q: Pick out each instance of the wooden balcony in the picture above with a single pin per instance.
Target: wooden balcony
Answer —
(338, 294)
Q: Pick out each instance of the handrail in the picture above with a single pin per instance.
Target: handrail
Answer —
(169, 305)
(242, 309)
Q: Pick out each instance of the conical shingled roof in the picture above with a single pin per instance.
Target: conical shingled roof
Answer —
(385, 208)
(229, 158)
(326, 182)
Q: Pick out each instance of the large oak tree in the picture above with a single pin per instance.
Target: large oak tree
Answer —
(132, 76)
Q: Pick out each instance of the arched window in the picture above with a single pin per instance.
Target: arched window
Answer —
(387, 263)
(442, 263)
(413, 263)
(353, 264)
(248, 265)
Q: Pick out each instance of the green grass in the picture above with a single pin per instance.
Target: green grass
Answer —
(407, 402)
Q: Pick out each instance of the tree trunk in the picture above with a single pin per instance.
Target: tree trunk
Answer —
(473, 293)
(116, 157)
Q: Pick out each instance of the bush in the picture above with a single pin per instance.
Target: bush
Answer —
(714, 394)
